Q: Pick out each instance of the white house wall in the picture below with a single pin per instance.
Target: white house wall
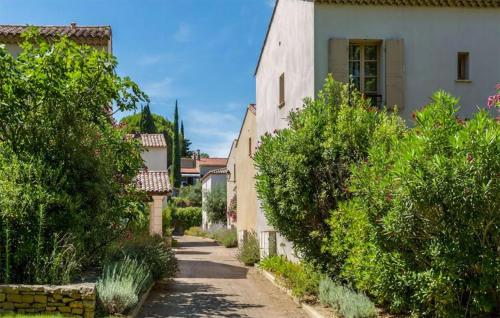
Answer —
(432, 38)
(290, 50)
(155, 158)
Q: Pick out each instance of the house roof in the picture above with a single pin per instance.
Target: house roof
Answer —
(153, 182)
(221, 171)
(190, 171)
(99, 35)
(211, 162)
(414, 3)
(150, 140)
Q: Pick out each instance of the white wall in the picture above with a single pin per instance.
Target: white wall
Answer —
(155, 158)
(432, 38)
(290, 50)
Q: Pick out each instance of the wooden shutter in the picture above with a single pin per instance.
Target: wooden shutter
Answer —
(395, 73)
(338, 59)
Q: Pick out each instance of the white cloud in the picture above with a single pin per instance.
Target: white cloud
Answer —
(160, 89)
(183, 33)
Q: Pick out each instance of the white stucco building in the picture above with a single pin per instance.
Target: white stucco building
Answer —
(154, 178)
(209, 182)
(398, 52)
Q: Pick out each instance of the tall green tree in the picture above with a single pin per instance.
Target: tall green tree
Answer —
(176, 151)
(147, 124)
(185, 143)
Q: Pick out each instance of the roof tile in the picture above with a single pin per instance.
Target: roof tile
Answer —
(153, 182)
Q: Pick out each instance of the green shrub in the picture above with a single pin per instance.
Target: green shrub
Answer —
(216, 204)
(422, 233)
(301, 278)
(185, 218)
(121, 284)
(153, 251)
(191, 194)
(228, 238)
(303, 170)
(249, 252)
(345, 301)
(196, 231)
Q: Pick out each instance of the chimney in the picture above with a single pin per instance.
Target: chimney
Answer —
(73, 25)
(199, 155)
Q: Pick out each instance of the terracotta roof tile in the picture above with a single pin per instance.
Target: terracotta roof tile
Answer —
(153, 140)
(214, 172)
(153, 182)
(422, 3)
(252, 108)
(212, 162)
(11, 33)
(190, 171)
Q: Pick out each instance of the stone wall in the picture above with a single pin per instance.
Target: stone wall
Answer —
(69, 300)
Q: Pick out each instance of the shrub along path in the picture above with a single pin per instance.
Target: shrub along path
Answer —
(212, 283)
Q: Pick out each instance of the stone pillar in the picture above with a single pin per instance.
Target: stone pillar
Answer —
(155, 219)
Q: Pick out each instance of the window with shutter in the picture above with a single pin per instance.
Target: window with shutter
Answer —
(364, 69)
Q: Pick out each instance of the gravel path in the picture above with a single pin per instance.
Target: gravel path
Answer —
(211, 283)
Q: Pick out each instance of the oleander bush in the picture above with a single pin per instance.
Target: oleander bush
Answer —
(153, 251)
(121, 284)
(345, 301)
(226, 237)
(301, 278)
(409, 216)
(249, 251)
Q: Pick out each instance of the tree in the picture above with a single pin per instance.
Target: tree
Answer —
(216, 204)
(147, 124)
(176, 152)
(185, 143)
(67, 167)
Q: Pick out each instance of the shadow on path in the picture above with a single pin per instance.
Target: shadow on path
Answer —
(181, 245)
(209, 269)
(192, 300)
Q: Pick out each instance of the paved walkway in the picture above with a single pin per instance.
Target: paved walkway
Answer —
(211, 283)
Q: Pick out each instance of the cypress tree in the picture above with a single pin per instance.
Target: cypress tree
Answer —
(185, 143)
(147, 121)
(176, 152)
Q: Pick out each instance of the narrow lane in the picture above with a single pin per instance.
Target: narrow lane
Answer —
(212, 283)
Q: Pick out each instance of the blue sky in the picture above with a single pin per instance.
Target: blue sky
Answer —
(201, 52)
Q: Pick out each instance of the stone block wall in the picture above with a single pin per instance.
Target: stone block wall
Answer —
(68, 300)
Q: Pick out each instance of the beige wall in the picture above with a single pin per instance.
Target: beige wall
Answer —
(231, 182)
(245, 176)
(156, 212)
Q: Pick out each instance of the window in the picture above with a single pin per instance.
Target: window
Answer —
(234, 172)
(282, 90)
(364, 69)
(249, 147)
(463, 66)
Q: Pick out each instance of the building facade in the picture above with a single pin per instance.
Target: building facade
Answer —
(211, 181)
(397, 53)
(231, 187)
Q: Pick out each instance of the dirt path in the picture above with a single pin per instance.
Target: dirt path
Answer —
(211, 283)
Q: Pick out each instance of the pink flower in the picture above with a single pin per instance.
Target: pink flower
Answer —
(493, 100)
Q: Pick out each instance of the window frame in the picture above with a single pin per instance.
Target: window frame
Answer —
(281, 88)
(363, 44)
(463, 66)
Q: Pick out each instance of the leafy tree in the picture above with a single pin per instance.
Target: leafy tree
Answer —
(192, 194)
(176, 152)
(147, 121)
(67, 168)
(204, 155)
(216, 204)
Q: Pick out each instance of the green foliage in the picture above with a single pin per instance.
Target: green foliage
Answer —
(301, 278)
(184, 218)
(226, 237)
(216, 204)
(345, 301)
(249, 251)
(121, 284)
(64, 168)
(192, 194)
(152, 251)
(303, 171)
(176, 152)
(196, 231)
(185, 143)
(147, 121)
(426, 216)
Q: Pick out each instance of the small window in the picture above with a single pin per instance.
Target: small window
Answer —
(234, 172)
(463, 66)
(249, 147)
(282, 90)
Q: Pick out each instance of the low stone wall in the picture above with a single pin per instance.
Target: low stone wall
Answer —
(69, 300)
